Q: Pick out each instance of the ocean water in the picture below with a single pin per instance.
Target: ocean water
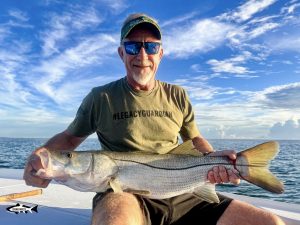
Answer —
(14, 152)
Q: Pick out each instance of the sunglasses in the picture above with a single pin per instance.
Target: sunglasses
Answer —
(134, 47)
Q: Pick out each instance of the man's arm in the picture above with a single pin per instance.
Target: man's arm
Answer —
(61, 141)
(64, 141)
(218, 174)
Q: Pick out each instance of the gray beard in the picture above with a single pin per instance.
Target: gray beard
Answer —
(142, 80)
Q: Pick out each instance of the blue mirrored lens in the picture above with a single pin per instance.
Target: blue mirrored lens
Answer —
(151, 47)
(133, 48)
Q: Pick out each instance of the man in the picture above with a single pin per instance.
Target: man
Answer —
(139, 112)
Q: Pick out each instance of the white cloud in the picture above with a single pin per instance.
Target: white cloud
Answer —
(288, 43)
(240, 118)
(231, 113)
(262, 29)
(282, 96)
(116, 6)
(290, 9)
(179, 19)
(231, 65)
(91, 51)
(289, 129)
(62, 26)
(214, 132)
(19, 15)
(226, 66)
(3, 33)
(12, 60)
(201, 36)
(247, 10)
(197, 88)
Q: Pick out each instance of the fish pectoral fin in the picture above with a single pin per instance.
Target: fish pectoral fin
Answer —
(186, 148)
(207, 192)
(138, 192)
(115, 185)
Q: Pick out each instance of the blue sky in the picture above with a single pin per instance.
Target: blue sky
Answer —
(238, 60)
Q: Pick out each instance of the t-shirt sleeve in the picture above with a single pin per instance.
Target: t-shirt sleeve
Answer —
(189, 127)
(84, 123)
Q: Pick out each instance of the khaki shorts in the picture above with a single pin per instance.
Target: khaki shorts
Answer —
(180, 210)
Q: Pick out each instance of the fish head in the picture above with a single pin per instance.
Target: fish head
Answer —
(61, 165)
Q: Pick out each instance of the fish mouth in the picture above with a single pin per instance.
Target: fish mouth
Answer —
(50, 169)
(44, 156)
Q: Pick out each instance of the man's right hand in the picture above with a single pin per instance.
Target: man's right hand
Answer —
(32, 166)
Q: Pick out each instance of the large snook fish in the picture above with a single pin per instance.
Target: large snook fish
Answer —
(156, 176)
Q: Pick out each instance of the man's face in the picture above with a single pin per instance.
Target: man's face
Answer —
(141, 68)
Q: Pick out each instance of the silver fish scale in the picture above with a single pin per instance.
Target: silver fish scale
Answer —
(175, 174)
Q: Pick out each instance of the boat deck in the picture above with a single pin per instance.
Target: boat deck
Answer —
(59, 204)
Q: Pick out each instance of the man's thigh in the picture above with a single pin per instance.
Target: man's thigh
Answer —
(243, 213)
(117, 208)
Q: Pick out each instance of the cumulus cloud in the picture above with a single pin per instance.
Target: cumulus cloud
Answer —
(214, 132)
(231, 113)
(289, 129)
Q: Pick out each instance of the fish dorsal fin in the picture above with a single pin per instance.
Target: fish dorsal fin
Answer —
(115, 185)
(186, 148)
(207, 192)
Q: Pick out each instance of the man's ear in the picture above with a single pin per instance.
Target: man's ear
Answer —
(161, 53)
(121, 53)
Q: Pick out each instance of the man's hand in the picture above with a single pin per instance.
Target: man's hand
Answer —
(32, 166)
(219, 174)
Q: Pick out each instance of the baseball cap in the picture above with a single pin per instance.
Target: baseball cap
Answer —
(136, 19)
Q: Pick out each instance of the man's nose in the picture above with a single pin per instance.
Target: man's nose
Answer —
(142, 54)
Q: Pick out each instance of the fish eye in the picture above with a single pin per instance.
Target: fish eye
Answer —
(69, 155)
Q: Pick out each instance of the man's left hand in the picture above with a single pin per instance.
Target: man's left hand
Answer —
(219, 174)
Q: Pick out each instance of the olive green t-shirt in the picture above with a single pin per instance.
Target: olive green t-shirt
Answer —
(125, 119)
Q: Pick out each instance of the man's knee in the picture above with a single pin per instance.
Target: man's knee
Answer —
(118, 208)
(243, 213)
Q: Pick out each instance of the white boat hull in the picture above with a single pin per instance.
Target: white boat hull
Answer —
(61, 205)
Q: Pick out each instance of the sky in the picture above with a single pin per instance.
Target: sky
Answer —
(238, 60)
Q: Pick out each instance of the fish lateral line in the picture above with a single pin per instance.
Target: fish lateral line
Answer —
(164, 168)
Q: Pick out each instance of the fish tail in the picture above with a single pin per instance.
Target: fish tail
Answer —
(253, 163)
(34, 208)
